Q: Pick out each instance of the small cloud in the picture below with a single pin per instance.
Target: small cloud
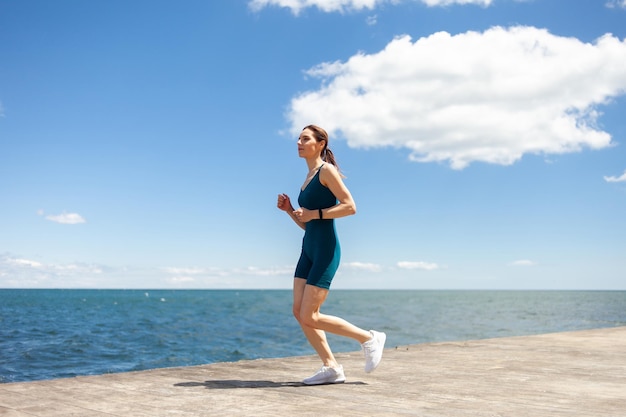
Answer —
(185, 271)
(220, 277)
(253, 270)
(363, 266)
(523, 262)
(342, 6)
(621, 178)
(371, 20)
(189, 274)
(426, 266)
(23, 263)
(616, 4)
(76, 269)
(24, 273)
(177, 280)
(445, 3)
(64, 218)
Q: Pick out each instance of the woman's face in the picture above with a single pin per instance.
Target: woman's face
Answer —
(308, 147)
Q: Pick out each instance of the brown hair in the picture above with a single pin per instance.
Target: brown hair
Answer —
(320, 135)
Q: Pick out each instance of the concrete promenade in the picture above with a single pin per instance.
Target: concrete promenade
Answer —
(580, 373)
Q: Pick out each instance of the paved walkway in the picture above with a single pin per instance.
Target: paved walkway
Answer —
(578, 374)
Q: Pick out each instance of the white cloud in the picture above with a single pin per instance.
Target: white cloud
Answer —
(491, 97)
(272, 277)
(363, 266)
(76, 269)
(65, 218)
(22, 262)
(612, 4)
(296, 6)
(371, 20)
(257, 271)
(183, 279)
(187, 271)
(439, 3)
(426, 266)
(523, 262)
(19, 272)
(621, 178)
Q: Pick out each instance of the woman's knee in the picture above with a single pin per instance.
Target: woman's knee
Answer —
(296, 313)
(304, 318)
(309, 320)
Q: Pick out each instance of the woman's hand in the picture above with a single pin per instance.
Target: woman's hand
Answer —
(303, 215)
(284, 203)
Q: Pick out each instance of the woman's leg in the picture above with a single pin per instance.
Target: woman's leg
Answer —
(309, 316)
(307, 301)
(316, 337)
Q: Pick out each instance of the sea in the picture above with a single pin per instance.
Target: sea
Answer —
(47, 334)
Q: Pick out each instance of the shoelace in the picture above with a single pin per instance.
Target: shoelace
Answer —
(324, 370)
(368, 347)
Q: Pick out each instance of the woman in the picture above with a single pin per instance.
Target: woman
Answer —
(323, 198)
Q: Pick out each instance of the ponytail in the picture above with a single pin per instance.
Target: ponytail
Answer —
(328, 156)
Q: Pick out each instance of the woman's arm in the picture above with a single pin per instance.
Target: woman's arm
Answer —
(329, 177)
(284, 204)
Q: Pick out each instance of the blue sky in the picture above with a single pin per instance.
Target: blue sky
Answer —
(143, 143)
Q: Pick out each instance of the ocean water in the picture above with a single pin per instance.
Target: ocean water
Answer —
(63, 333)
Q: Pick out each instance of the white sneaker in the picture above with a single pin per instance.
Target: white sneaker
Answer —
(373, 350)
(326, 375)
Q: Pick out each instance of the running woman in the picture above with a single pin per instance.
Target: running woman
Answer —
(323, 198)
